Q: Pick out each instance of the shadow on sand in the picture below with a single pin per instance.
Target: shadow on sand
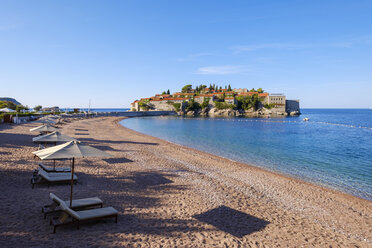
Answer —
(232, 221)
(116, 141)
(117, 160)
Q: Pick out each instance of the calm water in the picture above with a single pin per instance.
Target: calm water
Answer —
(333, 149)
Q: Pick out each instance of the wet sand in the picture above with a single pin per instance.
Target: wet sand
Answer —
(171, 196)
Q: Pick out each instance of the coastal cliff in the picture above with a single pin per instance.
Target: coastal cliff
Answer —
(214, 112)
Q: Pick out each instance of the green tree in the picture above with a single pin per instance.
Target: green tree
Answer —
(38, 108)
(186, 88)
(224, 105)
(7, 104)
(229, 88)
(164, 92)
(252, 90)
(20, 108)
(192, 105)
(205, 103)
(168, 92)
(177, 106)
(144, 105)
(248, 102)
(260, 90)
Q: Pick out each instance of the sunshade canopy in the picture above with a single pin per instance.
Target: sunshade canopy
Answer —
(46, 120)
(71, 149)
(53, 137)
(43, 128)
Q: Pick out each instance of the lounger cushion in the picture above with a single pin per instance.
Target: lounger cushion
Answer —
(50, 169)
(84, 202)
(79, 202)
(69, 210)
(56, 177)
(89, 214)
(96, 213)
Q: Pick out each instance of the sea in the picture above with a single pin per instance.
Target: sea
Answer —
(332, 149)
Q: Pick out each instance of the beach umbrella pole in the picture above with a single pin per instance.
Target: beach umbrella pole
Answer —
(72, 180)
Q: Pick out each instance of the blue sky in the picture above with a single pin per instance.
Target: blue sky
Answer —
(66, 52)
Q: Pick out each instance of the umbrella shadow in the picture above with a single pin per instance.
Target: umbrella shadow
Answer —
(232, 221)
(104, 148)
(117, 160)
(15, 140)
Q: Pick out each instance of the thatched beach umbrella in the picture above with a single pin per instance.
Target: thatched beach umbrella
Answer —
(70, 150)
(46, 128)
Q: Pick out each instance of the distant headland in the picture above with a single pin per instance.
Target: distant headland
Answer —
(214, 101)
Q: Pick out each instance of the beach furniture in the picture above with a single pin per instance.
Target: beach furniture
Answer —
(70, 216)
(41, 176)
(52, 137)
(70, 150)
(53, 169)
(77, 204)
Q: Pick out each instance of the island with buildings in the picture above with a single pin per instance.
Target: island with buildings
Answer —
(214, 101)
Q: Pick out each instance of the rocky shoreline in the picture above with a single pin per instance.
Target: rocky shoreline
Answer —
(260, 113)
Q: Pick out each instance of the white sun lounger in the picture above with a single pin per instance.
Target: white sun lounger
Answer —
(76, 204)
(51, 177)
(70, 216)
(51, 169)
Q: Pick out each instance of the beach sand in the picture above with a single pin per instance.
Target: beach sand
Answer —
(171, 196)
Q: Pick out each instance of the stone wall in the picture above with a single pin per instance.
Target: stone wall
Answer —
(162, 106)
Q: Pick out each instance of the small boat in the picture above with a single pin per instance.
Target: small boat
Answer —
(306, 119)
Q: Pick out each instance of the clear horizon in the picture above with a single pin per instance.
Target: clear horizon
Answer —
(112, 53)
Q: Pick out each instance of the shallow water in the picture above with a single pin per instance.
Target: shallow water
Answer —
(332, 149)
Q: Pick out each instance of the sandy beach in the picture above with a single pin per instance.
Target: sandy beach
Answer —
(171, 196)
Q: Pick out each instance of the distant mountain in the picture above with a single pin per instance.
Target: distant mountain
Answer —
(9, 99)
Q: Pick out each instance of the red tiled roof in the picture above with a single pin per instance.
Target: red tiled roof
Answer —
(183, 94)
(174, 98)
(263, 94)
(247, 93)
(229, 98)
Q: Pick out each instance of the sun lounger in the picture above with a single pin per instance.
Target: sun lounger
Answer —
(70, 216)
(51, 169)
(42, 176)
(77, 204)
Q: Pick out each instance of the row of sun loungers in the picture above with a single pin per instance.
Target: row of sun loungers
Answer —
(82, 210)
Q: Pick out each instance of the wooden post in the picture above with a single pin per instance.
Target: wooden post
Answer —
(72, 180)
